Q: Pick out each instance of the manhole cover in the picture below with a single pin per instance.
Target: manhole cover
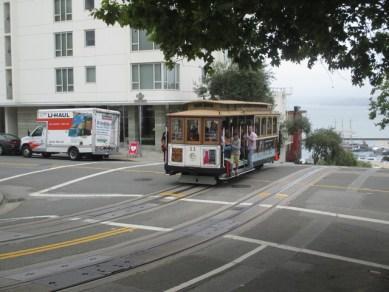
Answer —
(240, 186)
(143, 179)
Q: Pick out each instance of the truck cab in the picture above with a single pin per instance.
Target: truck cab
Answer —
(35, 142)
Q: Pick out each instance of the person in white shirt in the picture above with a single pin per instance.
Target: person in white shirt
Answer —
(251, 145)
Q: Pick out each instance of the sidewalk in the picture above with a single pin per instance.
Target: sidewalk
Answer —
(148, 155)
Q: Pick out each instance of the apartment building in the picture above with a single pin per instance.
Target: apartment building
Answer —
(54, 54)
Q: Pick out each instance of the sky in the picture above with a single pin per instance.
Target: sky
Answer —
(330, 99)
(317, 85)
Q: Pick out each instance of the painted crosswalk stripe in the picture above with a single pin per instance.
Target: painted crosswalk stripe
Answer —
(44, 170)
(71, 182)
(216, 271)
(308, 251)
(71, 196)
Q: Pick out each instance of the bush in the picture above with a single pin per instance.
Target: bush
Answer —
(345, 158)
(364, 164)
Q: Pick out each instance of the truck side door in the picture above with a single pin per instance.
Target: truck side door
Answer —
(38, 139)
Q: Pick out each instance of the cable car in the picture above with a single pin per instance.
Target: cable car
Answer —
(202, 141)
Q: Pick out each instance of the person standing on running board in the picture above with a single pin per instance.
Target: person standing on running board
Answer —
(235, 151)
(251, 145)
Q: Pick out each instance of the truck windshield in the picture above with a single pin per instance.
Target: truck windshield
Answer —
(37, 132)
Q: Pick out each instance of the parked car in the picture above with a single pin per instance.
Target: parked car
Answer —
(9, 144)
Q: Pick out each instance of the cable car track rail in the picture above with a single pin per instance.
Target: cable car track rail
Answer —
(187, 235)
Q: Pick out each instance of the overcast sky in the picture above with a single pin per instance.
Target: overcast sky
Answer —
(317, 84)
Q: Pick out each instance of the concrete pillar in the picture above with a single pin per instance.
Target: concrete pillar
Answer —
(26, 120)
(2, 120)
(133, 127)
(160, 123)
(11, 120)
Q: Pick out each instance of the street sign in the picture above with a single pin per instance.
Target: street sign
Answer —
(134, 148)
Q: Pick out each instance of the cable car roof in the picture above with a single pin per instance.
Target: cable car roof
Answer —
(223, 108)
(216, 113)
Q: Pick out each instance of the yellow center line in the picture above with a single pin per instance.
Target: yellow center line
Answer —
(347, 188)
(172, 194)
(281, 196)
(263, 194)
(64, 244)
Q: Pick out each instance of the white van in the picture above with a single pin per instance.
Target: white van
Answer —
(77, 132)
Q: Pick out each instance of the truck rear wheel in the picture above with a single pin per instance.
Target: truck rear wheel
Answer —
(73, 153)
(26, 151)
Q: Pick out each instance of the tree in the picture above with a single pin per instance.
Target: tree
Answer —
(230, 82)
(379, 107)
(324, 144)
(298, 124)
(345, 34)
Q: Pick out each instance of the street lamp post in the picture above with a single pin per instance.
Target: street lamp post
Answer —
(140, 97)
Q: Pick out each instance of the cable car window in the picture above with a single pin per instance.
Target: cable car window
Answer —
(193, 130)
(269, 126)
(211, 131)
(258, 126)
(274, 125)
(177, 131)
(263, 127)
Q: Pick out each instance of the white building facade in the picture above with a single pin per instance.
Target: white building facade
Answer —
(53, 54)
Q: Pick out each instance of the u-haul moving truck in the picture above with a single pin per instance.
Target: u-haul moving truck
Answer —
(77, 132)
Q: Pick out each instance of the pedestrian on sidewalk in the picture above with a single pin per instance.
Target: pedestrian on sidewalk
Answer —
(164, 145)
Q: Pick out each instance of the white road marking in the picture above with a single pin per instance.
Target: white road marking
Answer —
(345, 216)
(71, 196)
(135, 226)
(308, 251)
(94, 175)
(30, 217)
(265, 205)
(216, 271)
(44, 170)
(73, 219)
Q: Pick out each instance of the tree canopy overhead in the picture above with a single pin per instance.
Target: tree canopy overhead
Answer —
(346, 34)
(227, 81)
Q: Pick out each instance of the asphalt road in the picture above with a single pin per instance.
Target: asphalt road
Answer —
(125, 226)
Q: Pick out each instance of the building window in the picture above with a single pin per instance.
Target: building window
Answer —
(140, 41)
(63, 44)
(7, 18)
(90, 38)
(90, 74)
(62, 10)
(64, 79)
(89, 4)
(172, 77)
(152, 76)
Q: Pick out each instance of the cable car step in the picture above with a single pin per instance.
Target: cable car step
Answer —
(240, 172)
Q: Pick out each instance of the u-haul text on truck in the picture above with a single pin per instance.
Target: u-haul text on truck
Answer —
(77, 132)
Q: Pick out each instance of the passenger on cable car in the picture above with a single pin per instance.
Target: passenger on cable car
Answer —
(235, 151)
(226, 143)
(193, 133)
(251, 145)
